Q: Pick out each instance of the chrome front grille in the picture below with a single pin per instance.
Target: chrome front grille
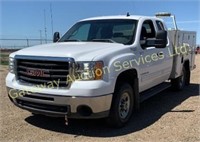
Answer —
(43, 70)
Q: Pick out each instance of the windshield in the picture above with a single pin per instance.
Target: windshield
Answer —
(119, 31)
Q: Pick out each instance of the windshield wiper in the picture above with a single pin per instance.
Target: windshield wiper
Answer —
(72, 40)
(104, 40)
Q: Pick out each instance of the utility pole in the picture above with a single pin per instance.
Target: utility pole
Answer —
(45, 27)
(40, 36)
(51, 18)
(27, 40)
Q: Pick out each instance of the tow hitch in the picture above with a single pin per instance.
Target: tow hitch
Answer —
(66, 120)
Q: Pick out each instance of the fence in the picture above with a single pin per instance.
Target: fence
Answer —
(21, 43)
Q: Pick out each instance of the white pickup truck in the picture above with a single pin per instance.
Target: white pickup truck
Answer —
(103, 67)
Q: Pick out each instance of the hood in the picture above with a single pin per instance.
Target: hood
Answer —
(80, 51)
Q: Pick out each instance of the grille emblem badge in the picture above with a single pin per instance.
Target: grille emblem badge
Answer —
(36, 72)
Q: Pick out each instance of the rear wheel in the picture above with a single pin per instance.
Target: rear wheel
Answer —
(179, 83)
(122, 105)
(187, 78)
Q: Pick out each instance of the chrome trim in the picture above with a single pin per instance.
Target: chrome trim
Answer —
(71, 62)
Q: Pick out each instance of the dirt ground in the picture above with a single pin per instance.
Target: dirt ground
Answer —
(166, 117)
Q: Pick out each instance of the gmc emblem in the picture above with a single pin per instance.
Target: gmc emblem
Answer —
(36, 72)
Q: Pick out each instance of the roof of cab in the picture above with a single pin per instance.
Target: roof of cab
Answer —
(133, 17)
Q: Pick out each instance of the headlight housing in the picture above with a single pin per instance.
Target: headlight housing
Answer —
(11, 64)
(90, 70)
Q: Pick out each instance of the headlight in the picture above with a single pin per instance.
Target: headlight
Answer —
(11, 64)
(89, 70)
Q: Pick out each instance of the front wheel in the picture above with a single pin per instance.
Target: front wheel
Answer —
(122, 105)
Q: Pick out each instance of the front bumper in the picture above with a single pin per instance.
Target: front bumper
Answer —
(55, 105)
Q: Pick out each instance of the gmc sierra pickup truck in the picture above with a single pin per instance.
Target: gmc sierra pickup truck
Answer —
(102, 67)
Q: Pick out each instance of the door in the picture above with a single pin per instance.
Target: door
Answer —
(156, 64)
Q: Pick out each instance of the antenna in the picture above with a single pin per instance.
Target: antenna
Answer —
(51, 18)
(128, 14)
(45, 28)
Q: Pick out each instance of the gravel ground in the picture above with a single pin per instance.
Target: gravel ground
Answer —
(166, 117)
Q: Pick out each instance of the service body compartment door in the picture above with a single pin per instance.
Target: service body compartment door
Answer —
(184, 43)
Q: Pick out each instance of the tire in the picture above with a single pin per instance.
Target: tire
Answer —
(179, 83)
(187, 78)
(122, 106)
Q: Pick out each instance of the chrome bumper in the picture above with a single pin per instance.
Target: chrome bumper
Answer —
(53, 105)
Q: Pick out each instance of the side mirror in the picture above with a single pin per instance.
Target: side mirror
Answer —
(56, 36)
(159, 42)
(161, 39)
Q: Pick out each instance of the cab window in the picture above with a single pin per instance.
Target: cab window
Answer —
(147, 31)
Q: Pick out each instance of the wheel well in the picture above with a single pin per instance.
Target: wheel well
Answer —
(127, 76)
(131, 77)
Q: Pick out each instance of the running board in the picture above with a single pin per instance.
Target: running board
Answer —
(153, 91)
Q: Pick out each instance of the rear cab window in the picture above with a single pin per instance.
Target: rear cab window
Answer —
(160, 25)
